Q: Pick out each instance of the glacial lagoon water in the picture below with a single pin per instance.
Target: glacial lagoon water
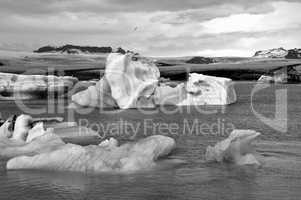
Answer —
(278, 178)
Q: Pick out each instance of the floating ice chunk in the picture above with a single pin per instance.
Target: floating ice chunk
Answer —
(19, 138)
(27, 129)
(14, 134)
(209, 90)
(199, 90)
(236, 148)
(95, 159)
(129, 82)
(16, 86)
(132, 80)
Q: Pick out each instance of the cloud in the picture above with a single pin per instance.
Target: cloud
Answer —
(165, 27)
(45, 7)
(285, 16)
(210, 12)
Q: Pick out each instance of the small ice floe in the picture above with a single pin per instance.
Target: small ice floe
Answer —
(106, 157)
(237, 148)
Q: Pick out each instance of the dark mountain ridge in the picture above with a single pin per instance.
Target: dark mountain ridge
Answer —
(75, 49)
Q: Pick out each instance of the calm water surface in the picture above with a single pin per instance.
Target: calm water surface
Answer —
(278, 178)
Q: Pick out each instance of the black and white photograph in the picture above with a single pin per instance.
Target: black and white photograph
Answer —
(150, 99)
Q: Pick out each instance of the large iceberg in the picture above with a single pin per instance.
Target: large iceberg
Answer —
(128, 82)
(133, 82)
(198, 90)
(105, 157)
(237, 148)
(14, 86)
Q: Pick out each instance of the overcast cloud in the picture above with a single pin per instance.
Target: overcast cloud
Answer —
(157, 27)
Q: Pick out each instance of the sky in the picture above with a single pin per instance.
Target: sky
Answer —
(153, 27)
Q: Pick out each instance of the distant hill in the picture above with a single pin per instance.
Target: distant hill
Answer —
(75, 49)
(279, 53)
(200, 60)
